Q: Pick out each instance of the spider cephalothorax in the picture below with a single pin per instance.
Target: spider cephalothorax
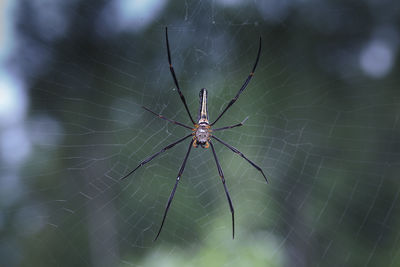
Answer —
(201, 135)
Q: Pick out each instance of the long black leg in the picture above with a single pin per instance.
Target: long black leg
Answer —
(155, 155)
(164, 118)
(230, 127)
(171, 196)
(241, 154)
(171, 68)
(243, 86)
(221, 174)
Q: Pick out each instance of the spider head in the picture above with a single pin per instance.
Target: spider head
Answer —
(202, 135)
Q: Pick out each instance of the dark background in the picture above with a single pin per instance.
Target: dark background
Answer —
(323, 124)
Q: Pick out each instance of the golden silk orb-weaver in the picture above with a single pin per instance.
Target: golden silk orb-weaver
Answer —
(201, 135)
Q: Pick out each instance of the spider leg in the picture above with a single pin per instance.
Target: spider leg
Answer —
(230, 127)
(174, 189)
(221, 174)
(155, 155)
(171, 68)
(164, 118)
(240, 154)
(243, 86)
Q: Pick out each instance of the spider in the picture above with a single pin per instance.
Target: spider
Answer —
(201, 135)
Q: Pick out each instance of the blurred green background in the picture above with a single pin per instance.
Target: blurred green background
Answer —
(323, 107)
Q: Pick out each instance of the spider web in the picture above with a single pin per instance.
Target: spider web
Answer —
(323, 124)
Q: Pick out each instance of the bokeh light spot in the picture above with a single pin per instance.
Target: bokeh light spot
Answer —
(376, 59)
(13, 100)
